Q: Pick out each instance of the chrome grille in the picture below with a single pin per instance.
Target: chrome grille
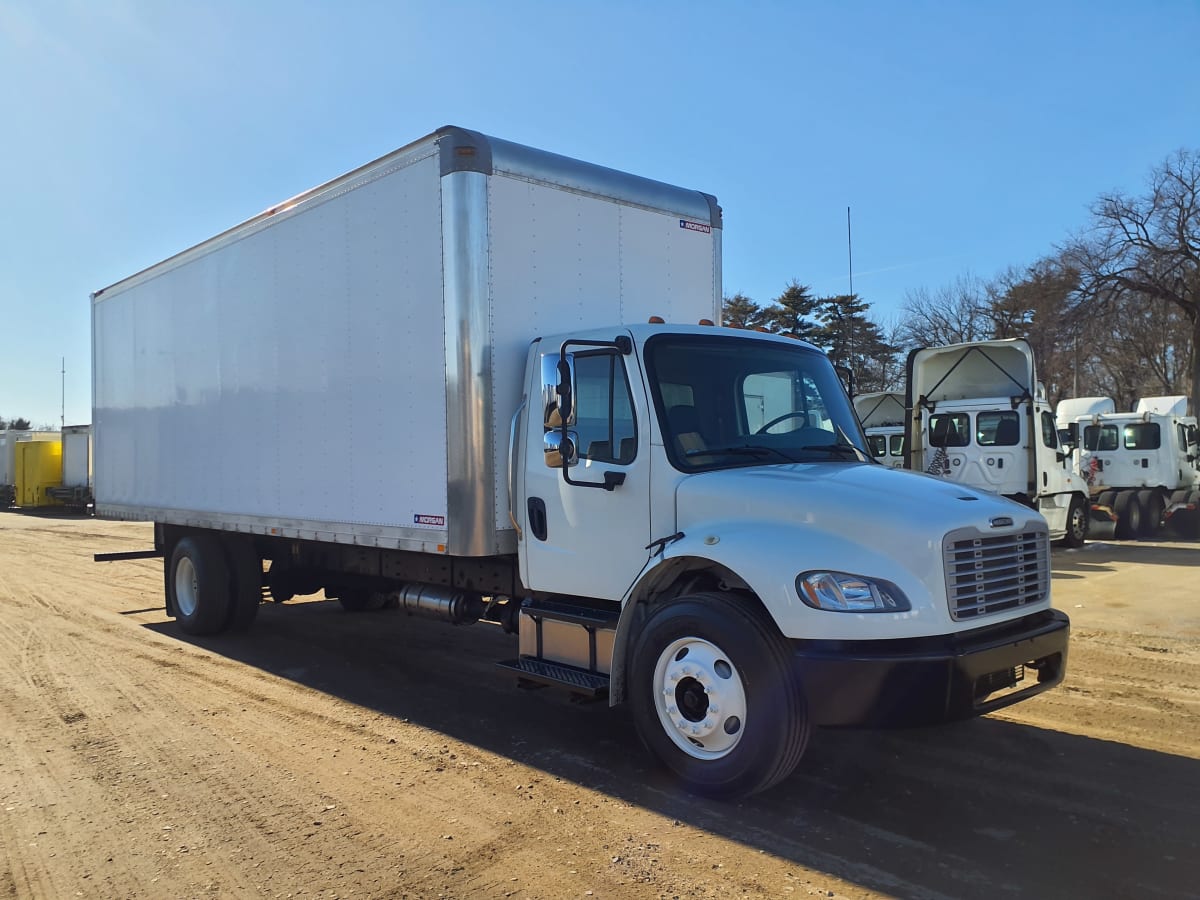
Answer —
(991, 573)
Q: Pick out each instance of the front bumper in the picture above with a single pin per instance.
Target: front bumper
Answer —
(925, 681)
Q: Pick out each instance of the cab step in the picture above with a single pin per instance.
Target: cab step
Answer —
(540, 673)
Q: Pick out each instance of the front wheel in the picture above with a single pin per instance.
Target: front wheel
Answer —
(1077, 523)
(714, 696)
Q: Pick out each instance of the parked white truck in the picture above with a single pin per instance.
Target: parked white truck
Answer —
(1142, 467)
(882, 416)
(678, 516)
(980, 418)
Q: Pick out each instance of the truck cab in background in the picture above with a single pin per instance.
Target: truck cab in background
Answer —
(980, 418)
(1142, 467)
(882, 416)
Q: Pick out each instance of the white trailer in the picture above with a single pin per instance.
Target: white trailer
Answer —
(75, 492)
(883, 416)
(980, 418)
(1142, 467)
(674, 515)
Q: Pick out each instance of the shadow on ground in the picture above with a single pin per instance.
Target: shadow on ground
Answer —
(977, 809)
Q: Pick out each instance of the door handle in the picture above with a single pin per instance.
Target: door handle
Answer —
(537, 517)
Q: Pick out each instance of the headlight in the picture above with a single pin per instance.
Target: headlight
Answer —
(841, 592)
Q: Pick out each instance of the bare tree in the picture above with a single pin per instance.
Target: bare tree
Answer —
(1146, 249)
(953, 314)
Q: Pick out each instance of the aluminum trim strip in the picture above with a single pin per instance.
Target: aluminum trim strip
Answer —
(470, 407)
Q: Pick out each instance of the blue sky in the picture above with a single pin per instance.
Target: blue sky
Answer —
(965, 136)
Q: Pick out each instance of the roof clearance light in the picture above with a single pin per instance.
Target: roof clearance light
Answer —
(706, 322)
(657, 320)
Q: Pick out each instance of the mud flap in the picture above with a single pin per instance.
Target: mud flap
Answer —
(1103, 523)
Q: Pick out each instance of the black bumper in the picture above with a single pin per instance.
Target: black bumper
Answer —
(925, 681)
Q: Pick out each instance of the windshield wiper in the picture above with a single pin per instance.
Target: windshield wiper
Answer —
(840, 448)
(740, 450)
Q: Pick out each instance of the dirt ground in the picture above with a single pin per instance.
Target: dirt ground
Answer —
(333, 755)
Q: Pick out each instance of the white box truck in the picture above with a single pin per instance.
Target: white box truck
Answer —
(980, 418)
(677, 516)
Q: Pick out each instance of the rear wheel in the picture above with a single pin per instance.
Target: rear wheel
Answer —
(1077, 523)
(245, 579)
(1129, 515)
(198, 584)
(714, 696)
(1153, 508)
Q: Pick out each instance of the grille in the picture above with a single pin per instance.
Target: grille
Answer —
(991, 573)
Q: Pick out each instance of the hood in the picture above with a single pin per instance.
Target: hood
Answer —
(870, 503)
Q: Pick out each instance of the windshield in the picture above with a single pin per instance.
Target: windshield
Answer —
(726, 401)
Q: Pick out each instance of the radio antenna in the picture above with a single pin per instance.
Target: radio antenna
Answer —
(850, 251)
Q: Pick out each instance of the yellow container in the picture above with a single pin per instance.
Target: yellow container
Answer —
(38, 467)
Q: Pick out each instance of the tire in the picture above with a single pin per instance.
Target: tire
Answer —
(245, 582)
(1129, 515)
(1106, 498)
(362, 601)
(198, 584)
(1153, 508)
(717, 647)
(1078, 517)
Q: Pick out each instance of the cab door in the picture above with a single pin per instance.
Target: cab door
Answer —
(586, 533)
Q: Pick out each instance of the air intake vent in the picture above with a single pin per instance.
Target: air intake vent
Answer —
(991, 573)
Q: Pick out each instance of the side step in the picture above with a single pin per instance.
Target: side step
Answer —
(565, 645)
(539, 673)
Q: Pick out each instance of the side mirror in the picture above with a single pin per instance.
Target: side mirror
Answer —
(556, 448)
(557, 395)
(565, 380)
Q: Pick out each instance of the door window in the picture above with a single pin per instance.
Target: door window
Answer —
(1049, 431)
(604, 420)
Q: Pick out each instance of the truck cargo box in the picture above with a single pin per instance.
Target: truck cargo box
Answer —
(343, 367)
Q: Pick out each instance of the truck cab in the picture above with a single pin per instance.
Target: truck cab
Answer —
(1142, 467)
(882, 416)
(980, 418)
(713, 492)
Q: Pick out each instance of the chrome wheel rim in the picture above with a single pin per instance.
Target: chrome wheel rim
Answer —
(700, 698)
